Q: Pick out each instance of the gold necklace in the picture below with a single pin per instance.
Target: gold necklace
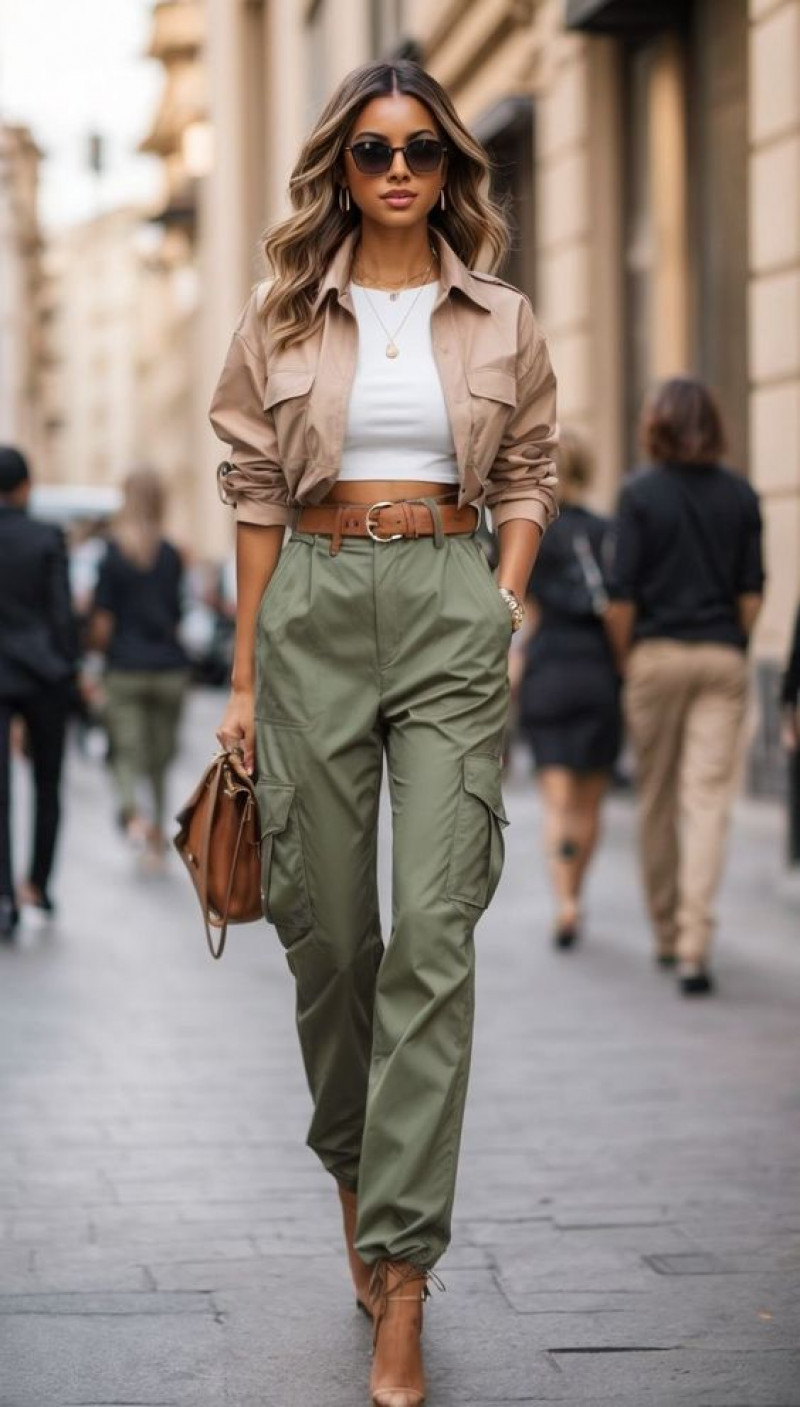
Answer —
(399, 288)
(392, 349)
(393, 289)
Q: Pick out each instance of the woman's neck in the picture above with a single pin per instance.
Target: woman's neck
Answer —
(393, 255)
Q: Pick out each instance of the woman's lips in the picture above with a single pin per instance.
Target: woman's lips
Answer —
(400, 199)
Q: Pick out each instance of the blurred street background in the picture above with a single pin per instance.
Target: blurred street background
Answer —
(651, 152)
(628, 1222)
(627, 1225)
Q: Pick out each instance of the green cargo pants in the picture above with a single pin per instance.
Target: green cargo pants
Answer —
(143, 714)
(396, 649)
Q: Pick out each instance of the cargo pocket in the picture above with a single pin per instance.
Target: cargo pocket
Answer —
(476, 858)
(284, 886)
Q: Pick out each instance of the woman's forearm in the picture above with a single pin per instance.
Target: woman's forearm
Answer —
(257, 553)
(519, 540)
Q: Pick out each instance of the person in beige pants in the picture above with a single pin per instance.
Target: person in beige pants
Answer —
(687, 586)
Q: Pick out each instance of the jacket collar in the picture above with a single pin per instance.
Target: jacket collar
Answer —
(454, 274)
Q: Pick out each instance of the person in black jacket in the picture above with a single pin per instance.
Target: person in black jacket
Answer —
(569, 695)
(38, 656)
(687, 586)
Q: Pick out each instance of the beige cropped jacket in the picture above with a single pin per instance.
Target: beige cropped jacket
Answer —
(283, 412)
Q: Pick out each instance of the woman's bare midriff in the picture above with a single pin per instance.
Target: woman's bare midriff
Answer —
(387, 490)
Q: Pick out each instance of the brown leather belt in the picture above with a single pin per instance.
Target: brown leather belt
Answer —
(386, 522)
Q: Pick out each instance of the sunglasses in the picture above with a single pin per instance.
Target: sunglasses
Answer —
(423, 156)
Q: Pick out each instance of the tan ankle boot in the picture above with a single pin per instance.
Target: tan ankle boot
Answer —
(360, 1271)
(398, 1293)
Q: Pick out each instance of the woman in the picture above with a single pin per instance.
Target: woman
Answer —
(569, 701)
(376, 392)
(137, 609)
(687, 583)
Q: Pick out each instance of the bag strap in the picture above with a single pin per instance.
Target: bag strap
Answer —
(202, 868)
(223, 926)
(592, 575)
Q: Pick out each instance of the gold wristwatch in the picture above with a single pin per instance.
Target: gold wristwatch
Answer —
(515, 606)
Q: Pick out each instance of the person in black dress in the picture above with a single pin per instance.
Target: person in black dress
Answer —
(569, 696)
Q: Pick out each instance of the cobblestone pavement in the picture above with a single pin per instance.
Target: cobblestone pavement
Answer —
(628, 1219)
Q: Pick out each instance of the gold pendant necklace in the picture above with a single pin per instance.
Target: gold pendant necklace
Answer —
(394, 293)
(392, 349)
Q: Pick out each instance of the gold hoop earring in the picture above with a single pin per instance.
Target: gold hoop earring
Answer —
(344, 199)
(442, 201)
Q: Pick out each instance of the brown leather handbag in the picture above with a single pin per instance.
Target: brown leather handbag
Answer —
(219, 841)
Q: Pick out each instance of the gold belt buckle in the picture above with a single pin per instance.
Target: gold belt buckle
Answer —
(384, 503)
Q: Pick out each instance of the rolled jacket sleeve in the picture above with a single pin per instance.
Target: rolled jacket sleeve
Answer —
(523, 477)
(254, 483)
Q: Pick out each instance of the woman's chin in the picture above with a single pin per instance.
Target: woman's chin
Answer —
(389, 218)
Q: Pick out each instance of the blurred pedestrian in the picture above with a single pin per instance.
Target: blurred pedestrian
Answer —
(137, 611)
(38, 654)
(376, 391)
(687, 588)
(569, 695)
(790, 735)
(790, 693)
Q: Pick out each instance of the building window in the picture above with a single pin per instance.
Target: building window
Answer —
(655, 251)
(685, 213)
(718, 214)
(506, 131)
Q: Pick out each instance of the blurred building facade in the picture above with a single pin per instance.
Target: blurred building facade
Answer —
(652, 155)
(23, 346)
(118, 389)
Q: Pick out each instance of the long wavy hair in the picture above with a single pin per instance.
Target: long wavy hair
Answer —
(299, 248)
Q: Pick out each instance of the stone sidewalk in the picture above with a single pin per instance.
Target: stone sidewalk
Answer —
(628, 1218)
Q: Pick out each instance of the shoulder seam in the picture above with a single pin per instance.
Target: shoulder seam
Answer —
(492, 278)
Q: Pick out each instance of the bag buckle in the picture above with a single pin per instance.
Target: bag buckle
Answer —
(384, 503)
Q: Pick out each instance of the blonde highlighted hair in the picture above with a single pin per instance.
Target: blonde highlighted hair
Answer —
(138, 528)
(299, 249)
(575, 461)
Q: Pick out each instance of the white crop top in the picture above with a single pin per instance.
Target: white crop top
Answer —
(397, 425)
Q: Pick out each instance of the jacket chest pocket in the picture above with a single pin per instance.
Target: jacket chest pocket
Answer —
(493, 397)
(286, 400)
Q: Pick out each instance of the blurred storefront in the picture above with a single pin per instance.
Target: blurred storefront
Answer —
(652, 154)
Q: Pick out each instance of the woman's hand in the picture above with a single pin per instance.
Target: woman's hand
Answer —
(236, 732)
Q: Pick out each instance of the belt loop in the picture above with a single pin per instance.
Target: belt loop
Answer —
(336, 537)
(438, 531)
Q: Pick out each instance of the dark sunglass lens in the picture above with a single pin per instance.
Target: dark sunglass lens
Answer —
(423, 155)
(372, 158)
